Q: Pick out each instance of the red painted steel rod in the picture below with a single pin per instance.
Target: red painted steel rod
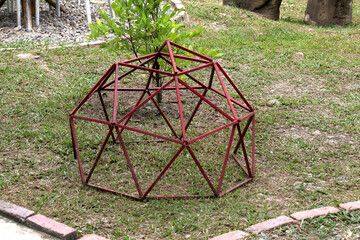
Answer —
(206, 100)
(148, 133)
(202, 170)
(146, 69)
(183, 131)
(185, 57)
(164, 117)
(115, 93)
(192, 52)
(102, 79)
(225, 92)
(236, 89)
(211, 132)
(253, 146)
(173, 63)
(232, 99)
(163, 171)
(76, 147)
(106, 114)
(245, 154)
(195, 69)
(129, 163)
(226, 159)
(140, 58)
(99, 155)
(239, 185)
(91, 119)
(113, 191)
(145, 101)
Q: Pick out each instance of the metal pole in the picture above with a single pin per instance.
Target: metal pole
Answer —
(111, 10)
(88, 13)
(18, 12)
(37, 13)
(58, 8)
(27, 15)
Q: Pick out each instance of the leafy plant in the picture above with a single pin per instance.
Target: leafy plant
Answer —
(141, 26)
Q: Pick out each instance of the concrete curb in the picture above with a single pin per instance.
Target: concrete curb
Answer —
(284, 220)
(41, 223)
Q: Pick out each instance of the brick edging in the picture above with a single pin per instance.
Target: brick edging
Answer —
(284, 220)
(41, 223)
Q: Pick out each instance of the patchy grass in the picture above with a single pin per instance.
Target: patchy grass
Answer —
(307, 146)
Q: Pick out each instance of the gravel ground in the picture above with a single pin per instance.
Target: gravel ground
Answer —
(69, 27)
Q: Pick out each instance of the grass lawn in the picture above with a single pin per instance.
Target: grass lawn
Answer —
(307, 151)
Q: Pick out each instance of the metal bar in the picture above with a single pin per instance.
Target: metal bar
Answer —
(164, 116)
(76, 149)
(142, 95)
(150, 89)
(202, 170)
(224, 89)
(245, 154)
(253, 147)
(240, 164)
(190, 51)
(115, 93)
(200, 100)
(91, 119)
(106, 114)
(102, 79)
(145, 101)
(226, 159)
(179, 197)
(211, 132)
(99, 155)
(206, 100)
(236, 89)
(185, 57)
(150, 56)
(163, 171)
(188, 75)
(239, 185)
(148, 133)
(128, 72)
(232, 99)
(183, 131)
(173, 63)
(113, 191)
(195, 69)
(129, 163)
(146, 69)
(244, 131)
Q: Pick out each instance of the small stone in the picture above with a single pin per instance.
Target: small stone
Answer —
(27, 56)
(273, 102)
(317, 132)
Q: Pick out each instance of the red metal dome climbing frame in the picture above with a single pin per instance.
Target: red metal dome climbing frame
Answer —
(179, 80)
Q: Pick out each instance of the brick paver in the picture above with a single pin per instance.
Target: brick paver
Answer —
(51, 227)
(351, 205)
(314, 213)
(235, 235)
(269, 224)
(14, 212)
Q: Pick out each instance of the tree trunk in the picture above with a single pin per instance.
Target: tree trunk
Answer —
(326, 12)
(268, 8)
